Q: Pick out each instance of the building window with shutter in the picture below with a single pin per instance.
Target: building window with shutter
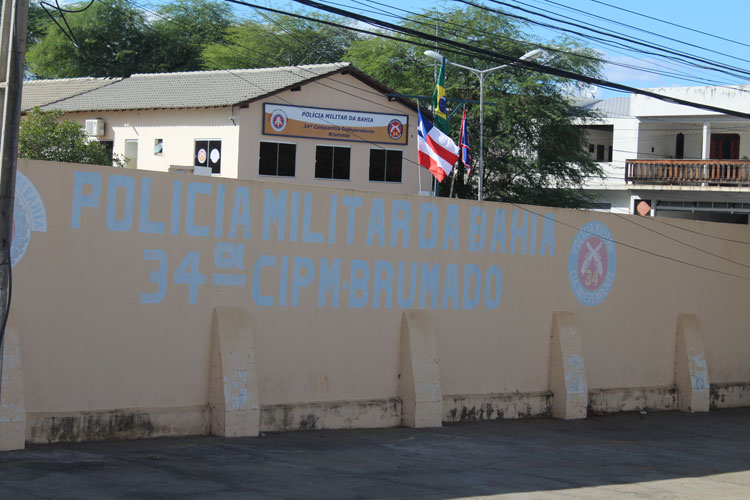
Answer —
(332, 162)
(385, 165)
(277, 159)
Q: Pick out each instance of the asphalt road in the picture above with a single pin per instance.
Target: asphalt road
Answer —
(658, 455)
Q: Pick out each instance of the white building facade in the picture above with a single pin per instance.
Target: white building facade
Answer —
(670, 160)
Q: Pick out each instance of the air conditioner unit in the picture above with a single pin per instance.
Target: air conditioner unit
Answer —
(94, 128)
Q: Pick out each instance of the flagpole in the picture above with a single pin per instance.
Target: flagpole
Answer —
(481, 74)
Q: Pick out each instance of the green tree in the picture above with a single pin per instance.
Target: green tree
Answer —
(277, 40)
(43, 136)
(105, 39)
(181, 30)
(533, 151)
(114, 38)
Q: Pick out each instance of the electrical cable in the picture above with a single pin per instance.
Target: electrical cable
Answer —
(500, 57)
(630, 219)
(713, 65)
(619, 23)
(550, 49)
(730, 240)
(671, 23)
(633, 247)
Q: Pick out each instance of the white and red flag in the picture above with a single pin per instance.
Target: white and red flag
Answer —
(436, 151)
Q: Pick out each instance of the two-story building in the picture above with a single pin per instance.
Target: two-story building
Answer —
(323, 124)
(672, 160)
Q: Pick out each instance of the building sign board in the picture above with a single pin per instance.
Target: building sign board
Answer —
(335, 124)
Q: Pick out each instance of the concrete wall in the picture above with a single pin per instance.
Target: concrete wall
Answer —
(349, 305)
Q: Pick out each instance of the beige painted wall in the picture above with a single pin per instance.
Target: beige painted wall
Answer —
(97, 335)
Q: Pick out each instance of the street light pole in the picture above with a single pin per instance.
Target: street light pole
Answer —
(480, 73)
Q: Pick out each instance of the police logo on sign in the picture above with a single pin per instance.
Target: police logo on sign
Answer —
(395, 130)
(278, 120)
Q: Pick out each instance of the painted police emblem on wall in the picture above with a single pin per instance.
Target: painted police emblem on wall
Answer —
(28, 215)
(592, 263)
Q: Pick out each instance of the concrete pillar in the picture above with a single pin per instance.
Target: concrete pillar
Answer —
(12, 403)
(690, 370)
(567, 372)
(706, 151)
(233, 385)
(419, 378)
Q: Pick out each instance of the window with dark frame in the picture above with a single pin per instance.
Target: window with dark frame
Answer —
(332, 162)
(385, 165)
(277, 159)
(600, 152)
(208, 154)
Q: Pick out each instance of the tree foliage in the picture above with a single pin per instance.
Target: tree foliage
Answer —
(278, 40)
(43, 136)
(533, 151)
(114, 38)
(106, 39)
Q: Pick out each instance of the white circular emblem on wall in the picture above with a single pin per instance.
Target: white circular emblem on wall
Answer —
(278, 120)
(28, 215)
(592, 263)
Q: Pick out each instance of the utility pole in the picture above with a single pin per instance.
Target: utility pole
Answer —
(12, 54)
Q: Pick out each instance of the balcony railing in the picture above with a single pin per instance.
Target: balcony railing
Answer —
(688, 172)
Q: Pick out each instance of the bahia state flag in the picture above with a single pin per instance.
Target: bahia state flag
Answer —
(464, 142)
(436, 151)
(439, 104)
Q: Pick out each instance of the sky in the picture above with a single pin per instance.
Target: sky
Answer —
(728, 19)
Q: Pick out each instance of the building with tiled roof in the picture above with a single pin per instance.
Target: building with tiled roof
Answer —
(314, 124)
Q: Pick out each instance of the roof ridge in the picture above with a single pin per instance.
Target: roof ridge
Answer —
(74, 79)
(245, 70)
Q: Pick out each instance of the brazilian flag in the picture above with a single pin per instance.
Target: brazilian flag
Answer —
(439, 104)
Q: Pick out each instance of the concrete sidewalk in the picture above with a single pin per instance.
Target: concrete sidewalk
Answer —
(660, 455)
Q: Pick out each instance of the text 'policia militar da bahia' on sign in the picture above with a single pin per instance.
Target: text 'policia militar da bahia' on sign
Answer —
(249, 218)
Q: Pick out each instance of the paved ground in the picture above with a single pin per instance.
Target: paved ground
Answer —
(660, 455)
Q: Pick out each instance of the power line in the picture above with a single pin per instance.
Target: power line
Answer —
(629, 219)
(524, 64)
(717, 66)
(636, 28)
(548, 48)
(730, 240)
(671, 23)
(633, 247)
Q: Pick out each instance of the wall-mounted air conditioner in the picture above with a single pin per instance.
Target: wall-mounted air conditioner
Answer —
(94, 128)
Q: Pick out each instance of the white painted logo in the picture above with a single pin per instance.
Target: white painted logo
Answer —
(28, 215)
